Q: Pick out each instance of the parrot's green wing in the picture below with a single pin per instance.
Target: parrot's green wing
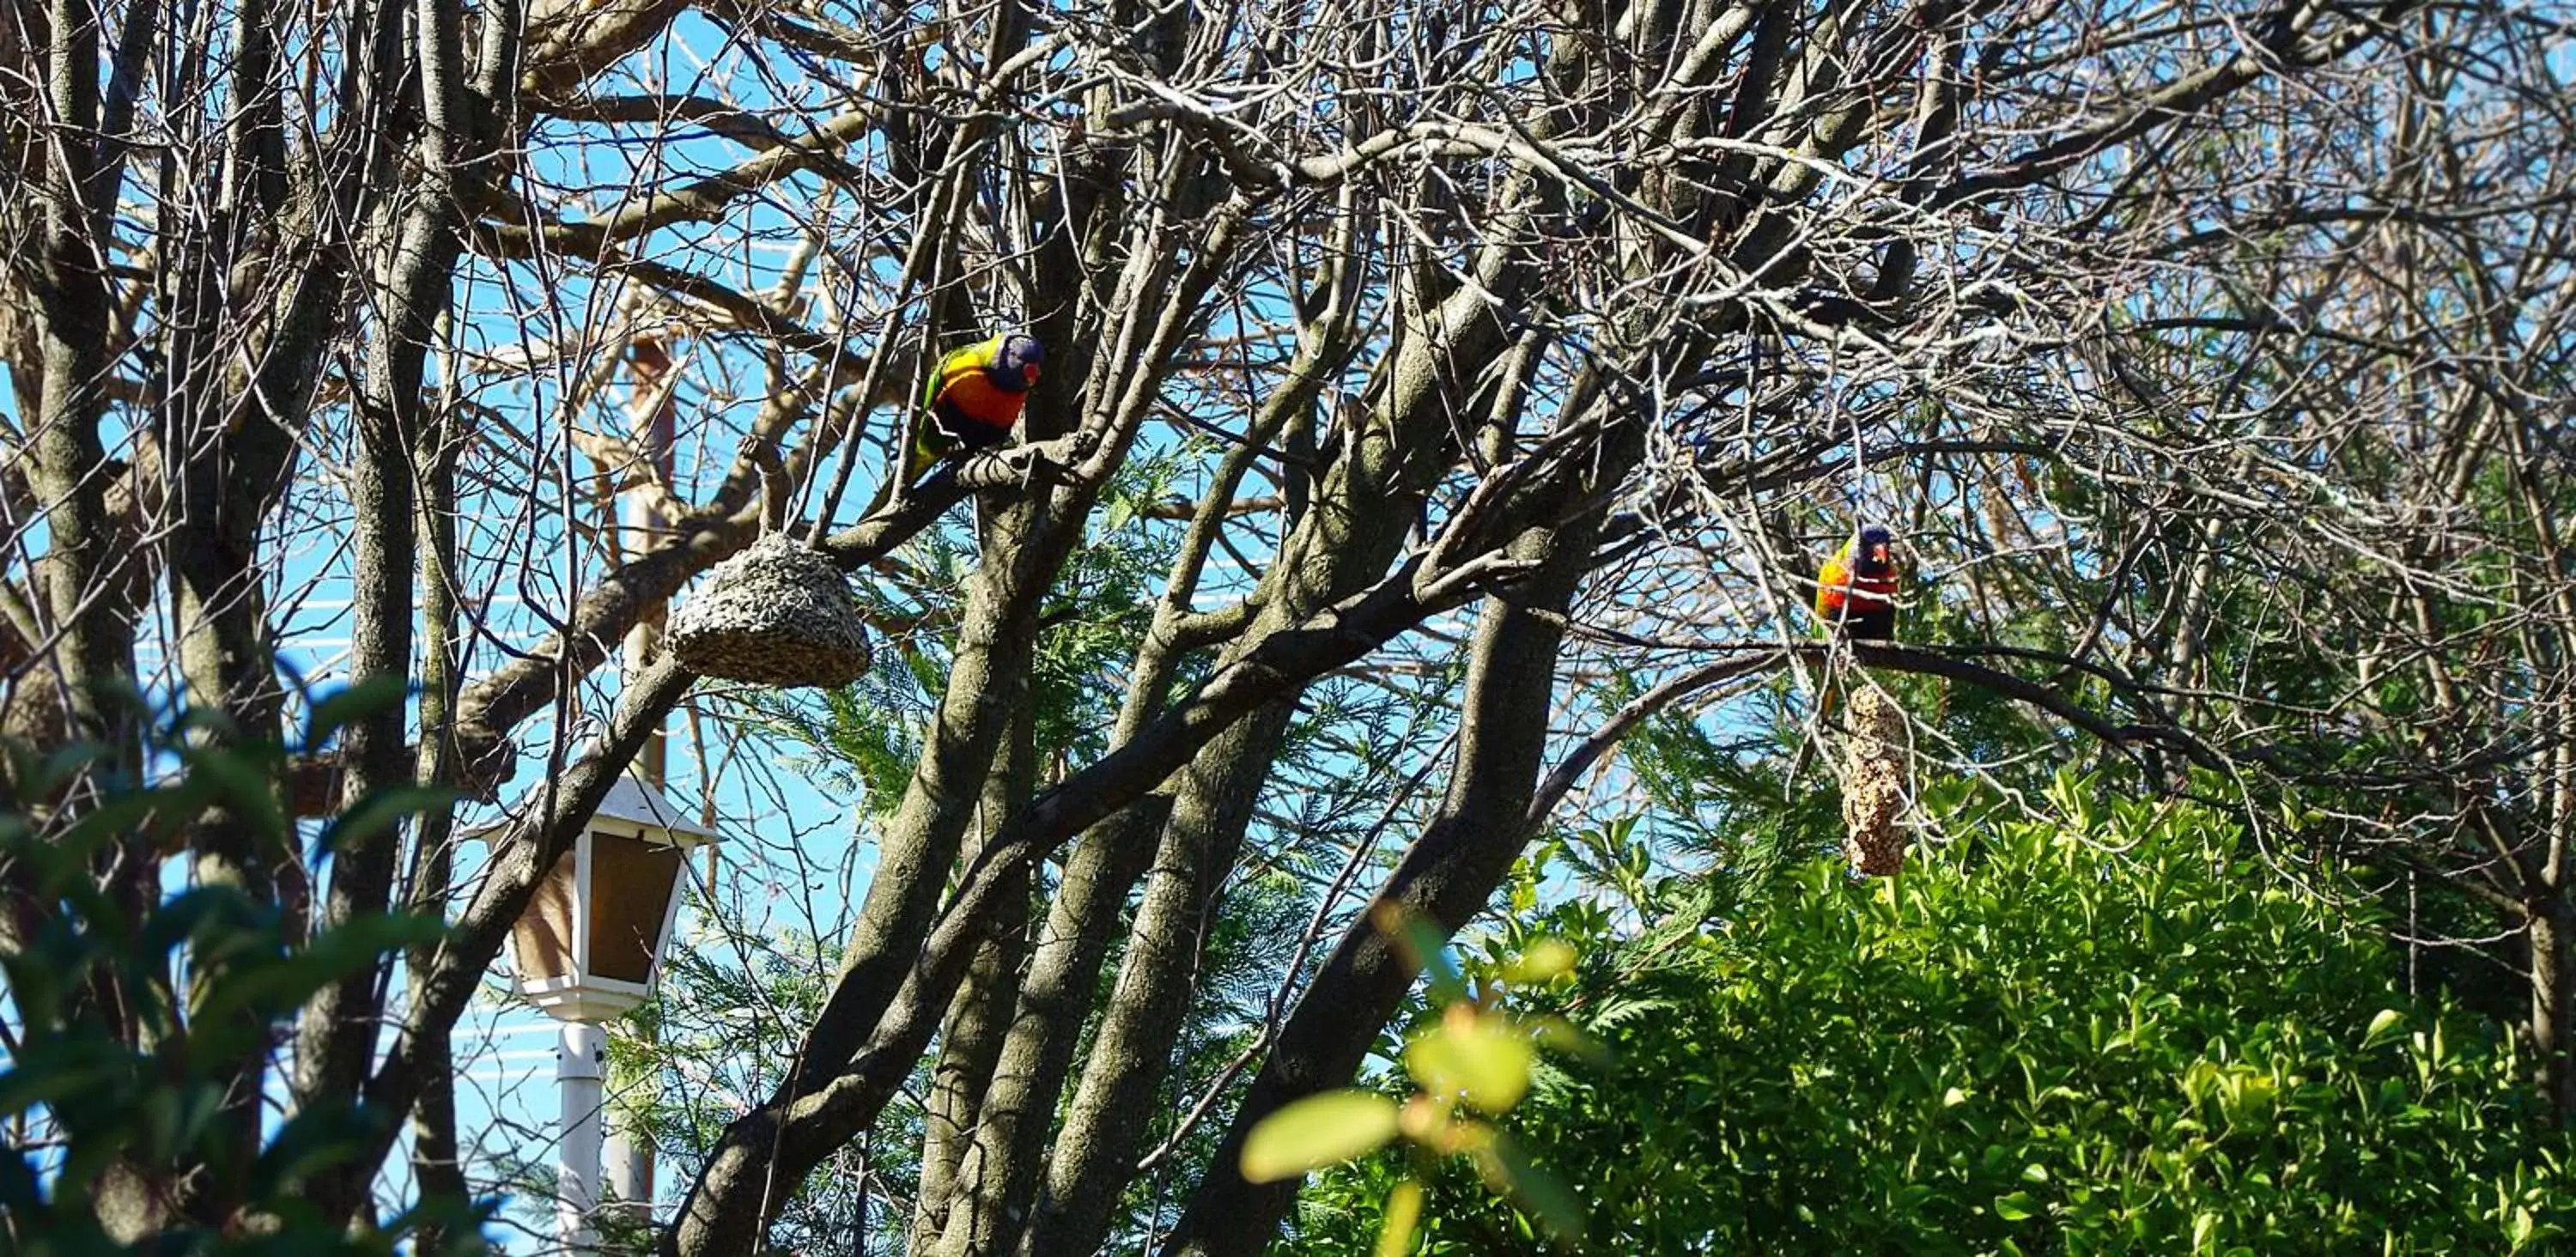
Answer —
(928, 444)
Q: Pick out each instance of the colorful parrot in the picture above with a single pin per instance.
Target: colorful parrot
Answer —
(974, 399)
(1856, 590)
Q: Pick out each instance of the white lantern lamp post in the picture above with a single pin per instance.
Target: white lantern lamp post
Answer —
(587, 950)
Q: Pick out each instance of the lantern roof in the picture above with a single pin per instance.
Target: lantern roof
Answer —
(631, 805)
(632, 801)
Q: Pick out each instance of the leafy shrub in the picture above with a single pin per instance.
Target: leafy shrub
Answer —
(133, 1025)
(2120, 1034)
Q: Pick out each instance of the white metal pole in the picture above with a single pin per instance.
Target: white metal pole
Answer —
(581, 1057)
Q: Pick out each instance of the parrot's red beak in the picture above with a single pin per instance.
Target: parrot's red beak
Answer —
(1878, 554)
(1029, 374)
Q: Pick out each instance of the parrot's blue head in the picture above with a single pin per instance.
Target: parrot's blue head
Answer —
(1015, 368)
(1873, 553)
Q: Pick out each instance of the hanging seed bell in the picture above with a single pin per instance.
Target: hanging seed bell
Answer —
(1874, 779)
(776, 614)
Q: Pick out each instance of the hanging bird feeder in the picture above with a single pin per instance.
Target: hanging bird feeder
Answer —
(776, 614)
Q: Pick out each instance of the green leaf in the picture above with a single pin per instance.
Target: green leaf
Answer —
(1544, 960)
(2387, 1025)
(1540, 1194)
(1421, 942)
(1317, 1131)
(1479, 1057)
(317, 1138)
(1403, 1214)
(380, 812)
(367, 697)
(2016, 1206)
(1559, 1035)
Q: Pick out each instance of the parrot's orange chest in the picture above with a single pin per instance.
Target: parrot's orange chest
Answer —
(1837, 583)
(972, 395)
(1865, 598)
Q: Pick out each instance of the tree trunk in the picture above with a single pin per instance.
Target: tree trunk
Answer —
(727, 1207)
(1448, 875)
(1029, 1077)
(412, 290)
(1105, 1127)
(437, 1164)
(70, 474)
(999, 1184)
(1374, 492)
(979, 1017)
(2549, 935)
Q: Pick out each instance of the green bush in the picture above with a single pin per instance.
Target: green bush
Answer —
(2122, 1034)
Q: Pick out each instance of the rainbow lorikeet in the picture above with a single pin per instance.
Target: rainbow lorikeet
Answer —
(1856, 590)
(974, 399)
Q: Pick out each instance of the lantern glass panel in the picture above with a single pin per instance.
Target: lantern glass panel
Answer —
(544, 932)
(631, 885)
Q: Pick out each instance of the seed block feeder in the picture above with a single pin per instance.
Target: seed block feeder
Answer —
(587, 950)
(776, 614)
(1876, 764)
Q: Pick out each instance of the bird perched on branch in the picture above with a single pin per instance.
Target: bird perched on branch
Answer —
(974, 399)
(1856, 589)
